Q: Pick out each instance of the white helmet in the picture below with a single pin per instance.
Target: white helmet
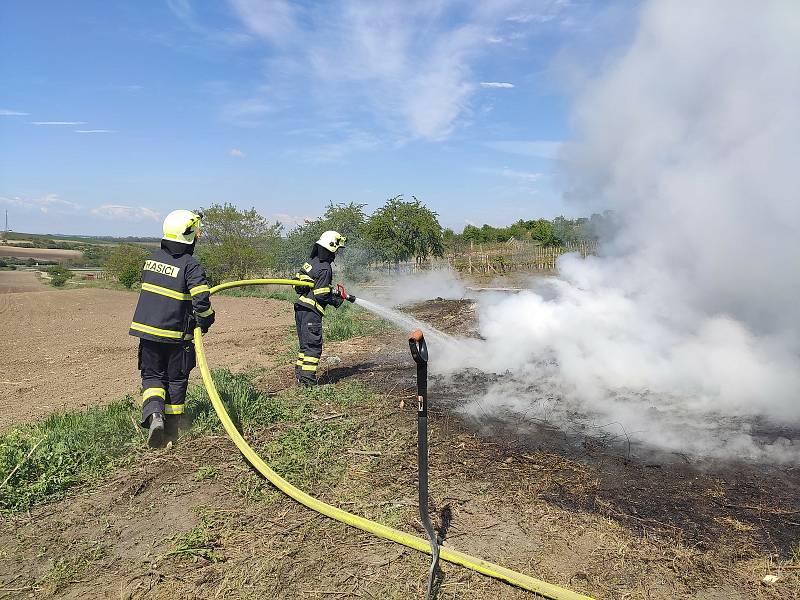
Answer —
(332, 240)
(182, 226)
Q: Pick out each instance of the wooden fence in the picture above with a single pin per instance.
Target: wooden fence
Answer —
(497, 258)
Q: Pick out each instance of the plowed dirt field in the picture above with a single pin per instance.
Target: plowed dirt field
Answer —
(69, 348)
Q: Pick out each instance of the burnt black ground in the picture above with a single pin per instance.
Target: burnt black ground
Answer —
(690, 498)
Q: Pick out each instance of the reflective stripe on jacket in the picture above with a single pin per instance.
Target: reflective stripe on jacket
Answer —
(174, 289)
(322, 294)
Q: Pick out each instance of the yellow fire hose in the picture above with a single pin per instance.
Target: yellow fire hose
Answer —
(459, 558)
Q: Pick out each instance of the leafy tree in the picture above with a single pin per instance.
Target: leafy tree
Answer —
(542, 232)
(237, 244)
(348, 219)
(125, 262)
(400, 230)
(59, 275)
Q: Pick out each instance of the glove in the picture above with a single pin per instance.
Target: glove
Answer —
(343, 293)
(205, 322)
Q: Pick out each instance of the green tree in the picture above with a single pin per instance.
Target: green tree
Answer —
(400, 230)
(348, 219)
(59, 275)
(542, 232)
(95, 254)
(237, 244)
(125, 262)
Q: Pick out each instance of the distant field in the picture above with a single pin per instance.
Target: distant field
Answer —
(39, 253)
(15, 236)
(14, 282)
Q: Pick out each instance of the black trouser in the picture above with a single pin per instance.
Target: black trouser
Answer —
(309, 333)
(165, 376)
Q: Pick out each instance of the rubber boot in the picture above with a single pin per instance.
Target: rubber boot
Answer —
(155, 437)
(171, 423)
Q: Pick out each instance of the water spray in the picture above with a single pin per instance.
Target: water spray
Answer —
(406, 322)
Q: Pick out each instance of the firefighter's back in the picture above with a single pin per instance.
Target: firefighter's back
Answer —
(164, 307)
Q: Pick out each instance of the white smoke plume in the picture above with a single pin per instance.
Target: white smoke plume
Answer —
(403, 288)
(687, 330)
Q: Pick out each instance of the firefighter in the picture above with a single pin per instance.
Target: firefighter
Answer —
(309, 308)
(174, 297)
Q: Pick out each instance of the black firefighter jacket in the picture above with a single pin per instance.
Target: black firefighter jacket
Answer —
(321, 294)
(174, 290)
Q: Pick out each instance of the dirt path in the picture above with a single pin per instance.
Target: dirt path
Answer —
(70, 348)
(19, 281)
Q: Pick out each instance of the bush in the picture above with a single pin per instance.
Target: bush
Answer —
(125, 263)
(59, 275)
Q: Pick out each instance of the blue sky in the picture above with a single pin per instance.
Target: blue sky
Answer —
(114, 113)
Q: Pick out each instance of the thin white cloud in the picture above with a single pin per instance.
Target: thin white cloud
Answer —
(185, 12)
(235, 152)
(58, 122)
(531, 18)
(274, 21)
(496, 84)
(547, 149)
(408, 63)
(49, 203)
(527, 176)
(547, 12)
(247, 112)
(4, 112)
(95, 131)
(337, 149)
(53, 204)
(126, 213)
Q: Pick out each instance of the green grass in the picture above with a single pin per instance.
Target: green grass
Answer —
(65, 449)
(247, 406)
(350, 321)
(69, 567)
(201, 541)
(104, 284)
(303, 447)
(277, 292)
(205, 473)
(43, 460)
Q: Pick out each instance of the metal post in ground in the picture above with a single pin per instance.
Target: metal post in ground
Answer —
(419, 351)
